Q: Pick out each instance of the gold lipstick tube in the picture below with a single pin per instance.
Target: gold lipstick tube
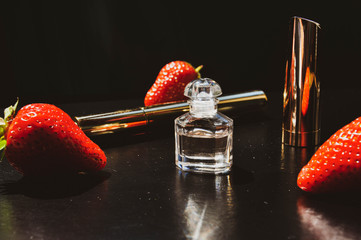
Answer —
(301, 97)
(111, 122)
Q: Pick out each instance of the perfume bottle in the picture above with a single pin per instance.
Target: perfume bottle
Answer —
(203, 136)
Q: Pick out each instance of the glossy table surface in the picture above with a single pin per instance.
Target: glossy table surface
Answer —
(141, 195)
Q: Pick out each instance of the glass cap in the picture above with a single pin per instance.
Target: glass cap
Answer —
(202, 89)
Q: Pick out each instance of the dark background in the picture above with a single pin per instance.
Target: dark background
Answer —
(76, 52)
(57, 52)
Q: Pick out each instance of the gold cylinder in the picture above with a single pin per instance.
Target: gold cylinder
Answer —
(301, 97)
(111, 122)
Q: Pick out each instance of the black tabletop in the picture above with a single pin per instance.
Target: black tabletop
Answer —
(142, 195)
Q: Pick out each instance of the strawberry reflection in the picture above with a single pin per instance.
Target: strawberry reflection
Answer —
(208, 205)
(322, 218)
(54, 187)
(6, 217)
(25, 215)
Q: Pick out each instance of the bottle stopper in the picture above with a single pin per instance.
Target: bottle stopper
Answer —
(203, 93)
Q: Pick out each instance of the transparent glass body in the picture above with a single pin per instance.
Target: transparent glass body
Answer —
(203, 136)
(204, 144)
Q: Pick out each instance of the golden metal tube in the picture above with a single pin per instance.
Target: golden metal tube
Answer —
(111, 122)
(301, 97)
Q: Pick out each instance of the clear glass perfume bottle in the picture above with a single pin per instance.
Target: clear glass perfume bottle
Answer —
(203, 136)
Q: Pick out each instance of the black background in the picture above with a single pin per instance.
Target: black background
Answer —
(57, 51)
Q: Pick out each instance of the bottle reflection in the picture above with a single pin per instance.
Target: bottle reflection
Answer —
(208, 205)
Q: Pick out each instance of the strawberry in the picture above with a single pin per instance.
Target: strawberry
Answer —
(43, 140)
(336, 165)
(170, 83)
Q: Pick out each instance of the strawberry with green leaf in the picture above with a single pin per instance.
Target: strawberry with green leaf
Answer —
(42, 140)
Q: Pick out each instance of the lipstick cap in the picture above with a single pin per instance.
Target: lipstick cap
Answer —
(301, 97)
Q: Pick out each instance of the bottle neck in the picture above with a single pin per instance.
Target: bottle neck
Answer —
(203, 108)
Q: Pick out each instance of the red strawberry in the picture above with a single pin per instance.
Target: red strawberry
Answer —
(43, 140)
(336, 165)
(170, 83)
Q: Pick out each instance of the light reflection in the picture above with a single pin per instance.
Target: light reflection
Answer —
(6, 218)
(208, 203)
(294, 158)
(318, 225)
(194, 215)
(111, 127)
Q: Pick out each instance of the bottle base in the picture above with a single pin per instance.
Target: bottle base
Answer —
(203, 165)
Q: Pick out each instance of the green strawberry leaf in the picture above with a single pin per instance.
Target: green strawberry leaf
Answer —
(8, 115)
(10, 111)
(2, 148)
(2, 144)
(2, 127)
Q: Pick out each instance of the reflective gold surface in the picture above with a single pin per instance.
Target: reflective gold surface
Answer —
(109, 122)
(301, 97)
(124, 119)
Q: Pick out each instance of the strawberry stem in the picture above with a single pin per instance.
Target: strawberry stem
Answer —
(198, 69)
